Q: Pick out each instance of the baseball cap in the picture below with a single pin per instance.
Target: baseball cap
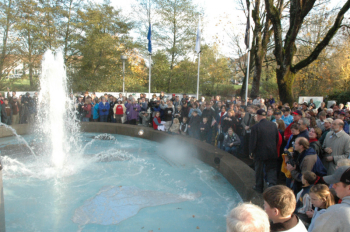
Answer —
(174, 94)
(286, 109)
(341, 174)
(329, 120)
(298, 112)
(261, 112)
(277, 112)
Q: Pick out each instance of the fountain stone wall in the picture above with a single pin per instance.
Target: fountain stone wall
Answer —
(233, 169)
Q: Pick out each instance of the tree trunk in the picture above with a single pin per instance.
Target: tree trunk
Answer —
(285, 80)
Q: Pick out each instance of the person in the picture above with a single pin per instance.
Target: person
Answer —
(327, 128)
(209, 113)
(303, 197)
(204, 128)
(16, 108)
(157, 122)
(194, 108)
(341, 116)
(193, 125)
(312, 104)
(184, 126)
(314, 135)
(119, 111)
(271, 100)
(303, 125)
(263, 149)
(231, 142)
(320, 121)
(168, 115)
(336, 146)
(230, 121)
(6, 112)
(286, 117)
(321, 198)
(111, 115)
(320, 109)
(145, 117)
(291, 141)
(256, 101)
(297, 115)
(175, 127)
(247, 122)
(95, 115)
(132, 111)
(87, 108)
(307, 160)
(185, 110)
(103, 110)
(336, 218)
(279, 204)
(247, 217)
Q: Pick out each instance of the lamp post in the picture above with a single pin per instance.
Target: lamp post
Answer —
(123, 58)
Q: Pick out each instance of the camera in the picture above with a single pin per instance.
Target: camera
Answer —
(290, 159)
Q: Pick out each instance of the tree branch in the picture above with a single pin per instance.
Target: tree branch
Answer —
(330, 34)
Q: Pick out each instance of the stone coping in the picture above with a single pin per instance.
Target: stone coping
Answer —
(233, 169)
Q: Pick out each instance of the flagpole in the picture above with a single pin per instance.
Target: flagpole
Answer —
(150, 73)
(248, 59)
(199, 63)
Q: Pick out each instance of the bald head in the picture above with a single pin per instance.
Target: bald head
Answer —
(301, 144)
(337, 125)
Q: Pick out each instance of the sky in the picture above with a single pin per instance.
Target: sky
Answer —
(219, 15)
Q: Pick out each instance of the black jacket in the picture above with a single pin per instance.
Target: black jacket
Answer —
(263, 140)
(210, 114)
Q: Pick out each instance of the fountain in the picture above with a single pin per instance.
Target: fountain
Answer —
(65, 180)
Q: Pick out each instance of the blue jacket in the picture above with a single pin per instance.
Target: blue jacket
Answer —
(346, 127)
(103, 109)
(193, 109)
(287, 120)
(95, 112)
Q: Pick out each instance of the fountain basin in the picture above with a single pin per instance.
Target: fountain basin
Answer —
(235, 172)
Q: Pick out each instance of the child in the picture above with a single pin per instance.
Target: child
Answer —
(193, 125)
(175, 127)
(183, 126)
(204, 129)
(303, 197)
(321, 198)
(157, 125)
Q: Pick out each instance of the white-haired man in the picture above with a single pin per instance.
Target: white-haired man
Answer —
(247, 218)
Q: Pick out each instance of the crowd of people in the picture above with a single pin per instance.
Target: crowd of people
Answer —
(304, 147)
(18, 109)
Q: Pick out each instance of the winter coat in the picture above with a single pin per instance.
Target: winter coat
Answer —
(132, 110)
(231, 139)
(156, 122)
(95, 112)
(145, 119)
(87, 110)
(103, 109)
(340, 144)
(168, 114)
(335, 219)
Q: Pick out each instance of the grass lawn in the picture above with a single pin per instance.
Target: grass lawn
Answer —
(20, 84)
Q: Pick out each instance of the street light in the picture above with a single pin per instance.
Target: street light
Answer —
(123, 58)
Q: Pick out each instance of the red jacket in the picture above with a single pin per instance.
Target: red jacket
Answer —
(87, 107)
(119, 110)
(155, 126)
(280, 139)
(288, 132)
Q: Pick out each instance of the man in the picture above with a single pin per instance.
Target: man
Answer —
(278, 115)
(306, 160)
(279, 204)
(256, 101)
(303, 125)
(172, 99)
(320, 121)
(263, 149)
(297, 115)
(312, 104)
(327, 123)
(103, 110)
(184, 99)
(9, 98)
(145, 117)
(247, 122)
(209, 113)
(271, 100)
(304, 106)
(177, 102)
(247, 218)
(336, 218)
(336, 146)
(341, 116)
(287, 118)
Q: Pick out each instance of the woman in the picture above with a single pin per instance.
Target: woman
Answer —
(230, 121)
(194, 108)
(132, 110)
(103, 110)
(87, 110)
(314, 134)
(95, 115)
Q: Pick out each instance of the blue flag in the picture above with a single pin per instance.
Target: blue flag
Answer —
(149, 37)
